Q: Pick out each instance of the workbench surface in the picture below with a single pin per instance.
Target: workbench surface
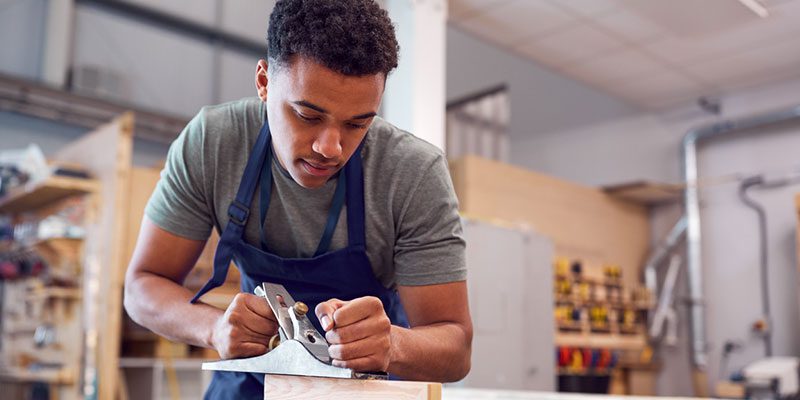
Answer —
(449, 393)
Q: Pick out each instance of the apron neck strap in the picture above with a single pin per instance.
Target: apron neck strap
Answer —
(239, 209)
(345, 191)
(355, 199)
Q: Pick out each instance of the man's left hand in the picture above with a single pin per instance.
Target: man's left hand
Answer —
(359, 333)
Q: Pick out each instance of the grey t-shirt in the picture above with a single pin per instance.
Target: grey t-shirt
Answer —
(413, 230)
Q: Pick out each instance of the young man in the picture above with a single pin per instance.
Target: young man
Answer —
(309, 159)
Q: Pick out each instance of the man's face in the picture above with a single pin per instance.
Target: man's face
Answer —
(317, 117)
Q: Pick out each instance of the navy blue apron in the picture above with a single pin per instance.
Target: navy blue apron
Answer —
(345, 274)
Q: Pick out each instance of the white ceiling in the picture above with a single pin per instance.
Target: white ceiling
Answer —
(652, 53)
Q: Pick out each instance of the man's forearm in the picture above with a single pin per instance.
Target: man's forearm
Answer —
(162, 306)
(438, 353)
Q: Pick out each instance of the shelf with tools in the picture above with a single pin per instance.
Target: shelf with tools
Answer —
(587, 306)
(61, 268)
(561, 299)
(42, 290)
(599, 321)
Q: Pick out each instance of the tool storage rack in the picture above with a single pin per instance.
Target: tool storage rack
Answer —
(29, 306)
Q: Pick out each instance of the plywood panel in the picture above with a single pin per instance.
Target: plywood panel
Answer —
(142, 183)
(583, 222)
(106, 153)
(281, 387)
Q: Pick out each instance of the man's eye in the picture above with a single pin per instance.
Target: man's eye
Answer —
(356, 126)
(306, 117)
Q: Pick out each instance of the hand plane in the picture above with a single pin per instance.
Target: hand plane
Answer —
(301, 351)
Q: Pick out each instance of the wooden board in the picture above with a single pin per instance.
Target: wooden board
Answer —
(601, 341)
(142, 183)
(106, 153)
(647, 193)
(281, 387)
(38, 194)
(583, 222)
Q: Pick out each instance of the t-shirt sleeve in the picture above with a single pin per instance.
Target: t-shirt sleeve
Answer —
(430, 247)
(179, 202)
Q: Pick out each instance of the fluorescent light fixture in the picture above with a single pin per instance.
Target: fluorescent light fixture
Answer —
(756, 7)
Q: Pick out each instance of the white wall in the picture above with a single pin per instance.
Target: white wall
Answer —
(541, 100)
(21, 37)
(162, 69)
(646, 146)
(641, 146)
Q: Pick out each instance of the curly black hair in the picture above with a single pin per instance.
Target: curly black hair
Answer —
(351, 37)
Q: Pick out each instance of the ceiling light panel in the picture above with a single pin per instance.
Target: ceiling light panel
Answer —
(579, 42)
(518, 20)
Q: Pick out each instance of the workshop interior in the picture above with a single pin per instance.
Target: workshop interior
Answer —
(627, 176)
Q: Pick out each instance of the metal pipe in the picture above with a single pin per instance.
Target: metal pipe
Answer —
(692, 205)
(660, 253)
(761, 213)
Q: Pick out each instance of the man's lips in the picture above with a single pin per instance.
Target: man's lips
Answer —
(318, 169)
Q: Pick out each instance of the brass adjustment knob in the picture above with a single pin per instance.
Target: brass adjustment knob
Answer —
(274, 341)
(300, 308)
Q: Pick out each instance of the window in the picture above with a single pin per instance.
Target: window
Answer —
(478, 125)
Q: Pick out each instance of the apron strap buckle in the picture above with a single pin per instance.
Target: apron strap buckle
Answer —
(238, 213)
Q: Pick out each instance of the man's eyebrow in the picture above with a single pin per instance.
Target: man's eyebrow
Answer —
(365, 115)
(324, 111)
(311, 106)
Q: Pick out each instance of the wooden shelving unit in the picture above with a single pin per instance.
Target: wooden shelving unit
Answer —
(577, 297)
(36, 305)
(87, 321)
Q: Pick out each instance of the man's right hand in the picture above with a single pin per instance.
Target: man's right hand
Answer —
(245, 328)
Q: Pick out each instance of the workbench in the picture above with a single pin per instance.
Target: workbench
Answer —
(449, 393)
(294, 387)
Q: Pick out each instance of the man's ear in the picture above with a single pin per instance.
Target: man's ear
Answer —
(262, 79)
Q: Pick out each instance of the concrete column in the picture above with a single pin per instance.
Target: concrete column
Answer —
(57, 50)
(415, 92)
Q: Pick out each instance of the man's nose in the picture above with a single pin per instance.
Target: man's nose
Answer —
(328, 143)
